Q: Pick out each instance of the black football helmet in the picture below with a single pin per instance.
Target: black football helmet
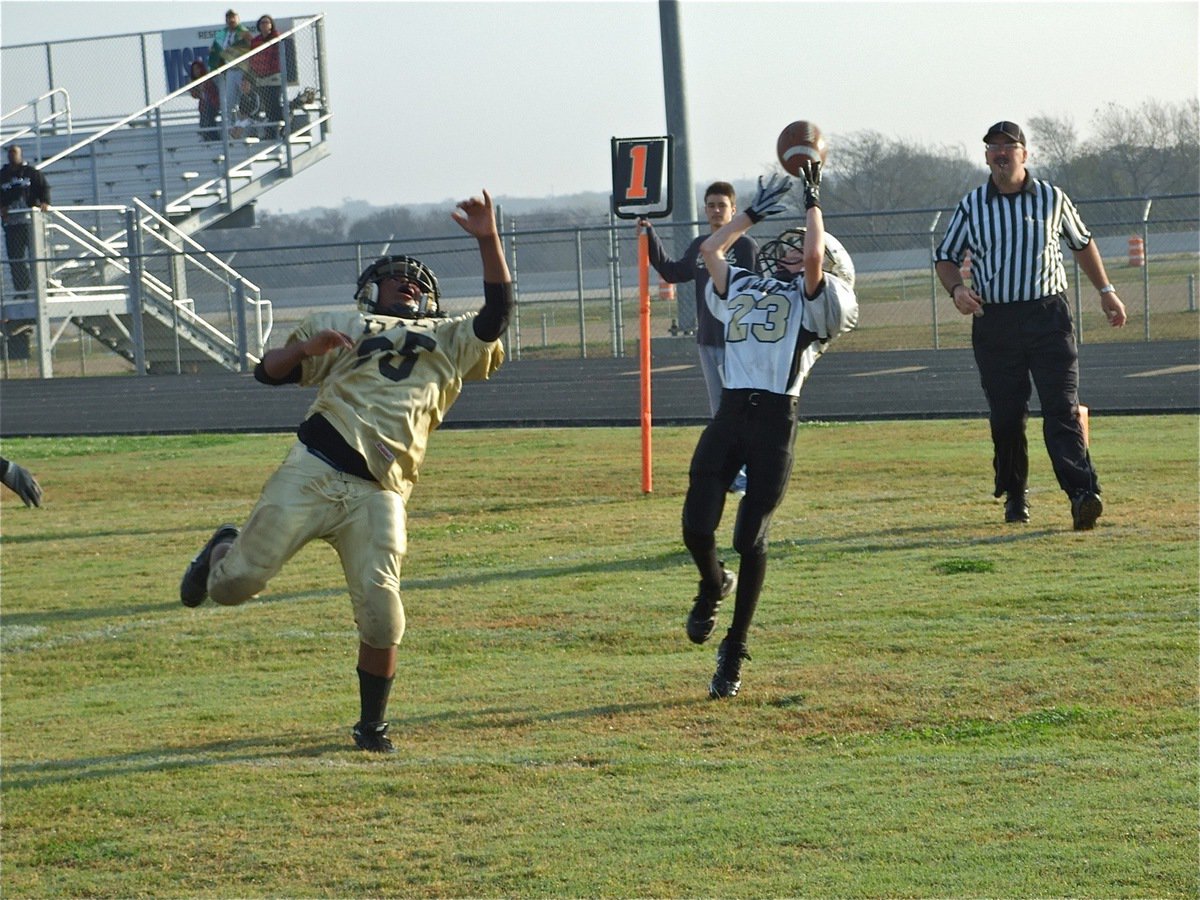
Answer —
(411, 270)
(837, 259)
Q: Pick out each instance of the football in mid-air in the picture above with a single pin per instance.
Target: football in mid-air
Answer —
(800, 144)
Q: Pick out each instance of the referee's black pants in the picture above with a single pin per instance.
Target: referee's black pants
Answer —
(755, 429)
(1012, 342)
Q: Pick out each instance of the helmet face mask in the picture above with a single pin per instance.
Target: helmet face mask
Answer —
(837, 261)
(772, 254)
(409, 270)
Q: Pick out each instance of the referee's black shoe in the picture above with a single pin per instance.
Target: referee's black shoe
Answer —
(194, 586)
(1085, 510)
(1016, 507)
(727, 680)
(703, 617)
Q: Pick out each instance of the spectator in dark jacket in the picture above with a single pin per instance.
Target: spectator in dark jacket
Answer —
(209, 99)
(22, 188)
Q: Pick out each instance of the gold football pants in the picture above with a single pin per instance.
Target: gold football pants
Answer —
(305, 500)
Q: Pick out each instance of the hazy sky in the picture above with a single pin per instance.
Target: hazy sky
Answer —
(433, 100)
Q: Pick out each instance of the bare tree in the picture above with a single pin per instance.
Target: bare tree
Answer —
(1151, 149)
(1056, 143)
(871, 171)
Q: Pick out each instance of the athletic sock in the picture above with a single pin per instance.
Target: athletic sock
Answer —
(373, 693)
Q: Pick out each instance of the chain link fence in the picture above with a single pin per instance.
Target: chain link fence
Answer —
(578, 295)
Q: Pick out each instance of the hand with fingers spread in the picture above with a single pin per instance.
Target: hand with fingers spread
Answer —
(768, 200)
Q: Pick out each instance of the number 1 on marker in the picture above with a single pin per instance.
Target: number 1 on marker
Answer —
(637, 175)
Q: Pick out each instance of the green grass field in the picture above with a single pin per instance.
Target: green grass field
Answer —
(938, 705)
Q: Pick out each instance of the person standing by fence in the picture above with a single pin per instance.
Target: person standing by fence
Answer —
(208, 101)
(228, 44)
(22, 188)
(269, 81)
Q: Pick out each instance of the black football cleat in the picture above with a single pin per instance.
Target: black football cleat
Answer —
(373, 737)
(194, 586)
(1085, 510)
(703, 617)
(727, 680)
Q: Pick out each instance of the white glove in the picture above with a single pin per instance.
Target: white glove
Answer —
(24, 484)
(768, 200)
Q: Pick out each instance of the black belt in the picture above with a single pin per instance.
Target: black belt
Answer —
(1013, 304)
(766, 400)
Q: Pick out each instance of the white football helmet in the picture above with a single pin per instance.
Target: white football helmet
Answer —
(837, 258)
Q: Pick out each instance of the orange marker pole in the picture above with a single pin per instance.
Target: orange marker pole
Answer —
(644, 324)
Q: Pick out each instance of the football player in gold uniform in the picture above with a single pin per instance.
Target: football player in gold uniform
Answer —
(386, 374)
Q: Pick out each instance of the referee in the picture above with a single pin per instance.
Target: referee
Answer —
(1022, 326)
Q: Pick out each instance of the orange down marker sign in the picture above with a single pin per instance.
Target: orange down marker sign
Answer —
(642, 188)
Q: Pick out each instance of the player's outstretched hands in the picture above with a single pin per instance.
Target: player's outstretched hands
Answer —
(25, 485)
(768, 199)
(812, 184)
(476, 215)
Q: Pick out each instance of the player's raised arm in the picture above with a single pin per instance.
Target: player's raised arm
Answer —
(814, 239)
(768, 201)
(477, 216)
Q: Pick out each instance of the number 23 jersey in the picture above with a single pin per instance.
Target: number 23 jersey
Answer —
(772, 333)
(387, 393)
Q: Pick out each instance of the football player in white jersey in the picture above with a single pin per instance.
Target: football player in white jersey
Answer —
(776, 326)
(386, 374)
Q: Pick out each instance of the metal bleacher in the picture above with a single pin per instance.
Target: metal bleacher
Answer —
(118, 255)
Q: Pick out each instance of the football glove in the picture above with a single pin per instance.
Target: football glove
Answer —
(812, 185)
(24, 484)
(768, 200)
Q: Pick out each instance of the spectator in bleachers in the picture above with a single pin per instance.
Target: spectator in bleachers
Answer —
(209, 101)
(265, 68)
(22, 187)
(247, 115)
(228, 44)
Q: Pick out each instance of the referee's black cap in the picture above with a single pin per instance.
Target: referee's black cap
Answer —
(1008, 129)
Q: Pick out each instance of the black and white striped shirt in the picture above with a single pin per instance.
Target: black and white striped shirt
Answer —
(1014, 240)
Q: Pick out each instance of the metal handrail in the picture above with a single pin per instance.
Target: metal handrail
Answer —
(36, 128)
(231, 275)
(117, 255)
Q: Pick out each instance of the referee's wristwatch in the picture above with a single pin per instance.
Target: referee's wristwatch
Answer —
(1108, 289)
